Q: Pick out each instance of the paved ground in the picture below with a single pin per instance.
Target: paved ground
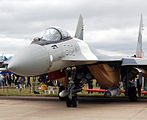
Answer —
(90, 108)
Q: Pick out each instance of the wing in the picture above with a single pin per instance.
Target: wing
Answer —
(134, 61)
(90, 56)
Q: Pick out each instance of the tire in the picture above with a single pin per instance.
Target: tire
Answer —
(74, 101)
(68, 102)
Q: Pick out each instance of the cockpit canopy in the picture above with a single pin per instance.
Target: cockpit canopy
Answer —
(55, 34)
(52, 35)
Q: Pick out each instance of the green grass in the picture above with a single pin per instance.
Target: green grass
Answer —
(22, 92)
(29, 91)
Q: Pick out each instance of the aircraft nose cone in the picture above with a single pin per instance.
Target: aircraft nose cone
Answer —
(30, 61)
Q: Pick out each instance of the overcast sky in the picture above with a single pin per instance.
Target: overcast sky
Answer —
(111, 26)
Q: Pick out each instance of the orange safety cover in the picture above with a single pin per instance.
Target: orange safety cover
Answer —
(105, 75)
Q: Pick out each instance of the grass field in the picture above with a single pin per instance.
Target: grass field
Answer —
(4, 91)
(29, 91)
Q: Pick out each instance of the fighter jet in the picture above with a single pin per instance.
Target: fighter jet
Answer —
(71, 61)
(4, 62)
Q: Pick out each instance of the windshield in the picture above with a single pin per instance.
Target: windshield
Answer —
(55, 34)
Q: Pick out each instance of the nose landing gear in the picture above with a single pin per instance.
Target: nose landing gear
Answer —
(74, 86)
(72, 102)
(72, 89)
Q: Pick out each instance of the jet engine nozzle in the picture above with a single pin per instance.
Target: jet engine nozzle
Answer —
(31, 61)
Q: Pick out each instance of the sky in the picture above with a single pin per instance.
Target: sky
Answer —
(110, 26)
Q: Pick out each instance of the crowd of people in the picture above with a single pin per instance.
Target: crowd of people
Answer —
(9, 80)
(6, 79)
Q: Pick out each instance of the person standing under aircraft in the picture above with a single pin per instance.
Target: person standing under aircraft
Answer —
(0, 81)
(9, 79)
(139, 85)
(19, 82)
(16, 80)
(24, 81)
(4, 79)
(132, 90)
(90, 86)
(28, 82)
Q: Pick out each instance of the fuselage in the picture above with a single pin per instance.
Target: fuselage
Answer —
(38, 59)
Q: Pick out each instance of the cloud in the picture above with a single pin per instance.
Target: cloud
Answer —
(109, 25)
(11, 45)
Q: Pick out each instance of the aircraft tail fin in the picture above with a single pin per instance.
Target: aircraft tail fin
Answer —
(139, 53)
(79, 29)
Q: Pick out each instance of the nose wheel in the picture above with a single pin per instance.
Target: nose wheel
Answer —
(72, 102)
